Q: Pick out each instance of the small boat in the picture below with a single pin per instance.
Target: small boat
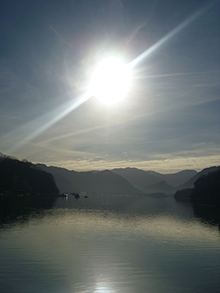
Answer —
(76, 195)
(64, 195)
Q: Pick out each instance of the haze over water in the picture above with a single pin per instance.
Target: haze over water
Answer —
(74, 248)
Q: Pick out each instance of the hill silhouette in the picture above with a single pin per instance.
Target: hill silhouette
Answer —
(90, 182)
(143, 179)
(117, 181)
(22, 177)
(191, 181)
(206, 188)
(24, 188)
(160, 186)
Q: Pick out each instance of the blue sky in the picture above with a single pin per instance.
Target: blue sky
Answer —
(168, 121)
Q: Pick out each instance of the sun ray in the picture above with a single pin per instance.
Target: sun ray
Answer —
(15, 140)
(171, 34)
(113, 91)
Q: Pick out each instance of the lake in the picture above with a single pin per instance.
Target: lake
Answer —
(110, 244)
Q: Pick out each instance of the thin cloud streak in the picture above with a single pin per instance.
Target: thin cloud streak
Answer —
(162, 165)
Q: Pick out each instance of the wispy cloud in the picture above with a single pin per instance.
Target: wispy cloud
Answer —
(162, 165)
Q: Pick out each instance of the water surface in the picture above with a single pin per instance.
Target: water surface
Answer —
(159, 247)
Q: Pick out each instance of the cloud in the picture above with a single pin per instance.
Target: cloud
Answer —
(164, 166)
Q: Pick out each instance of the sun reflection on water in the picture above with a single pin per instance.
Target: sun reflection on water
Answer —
(103, 252)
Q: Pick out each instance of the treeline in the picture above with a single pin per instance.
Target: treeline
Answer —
(23, 178)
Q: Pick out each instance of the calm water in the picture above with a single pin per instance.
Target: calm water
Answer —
(132, 245)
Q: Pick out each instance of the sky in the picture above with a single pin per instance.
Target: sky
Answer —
(169, 119)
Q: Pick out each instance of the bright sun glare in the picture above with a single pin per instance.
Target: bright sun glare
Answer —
(110, 80)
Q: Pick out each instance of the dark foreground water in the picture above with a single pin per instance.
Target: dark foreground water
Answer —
(124, 245)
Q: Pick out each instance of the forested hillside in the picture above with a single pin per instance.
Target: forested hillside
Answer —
(22, 177)
(206, 189)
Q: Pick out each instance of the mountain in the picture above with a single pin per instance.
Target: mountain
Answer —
(194, 186)
(207, 189)
(138, 178)
(191, 181)
(22, 177)
(24, 188)
(90, 182)
(178, 178)
(160, 186)
(142, 179)
(183, 194)
(62, 177)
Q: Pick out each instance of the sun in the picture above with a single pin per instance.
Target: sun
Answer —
(110, 80)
